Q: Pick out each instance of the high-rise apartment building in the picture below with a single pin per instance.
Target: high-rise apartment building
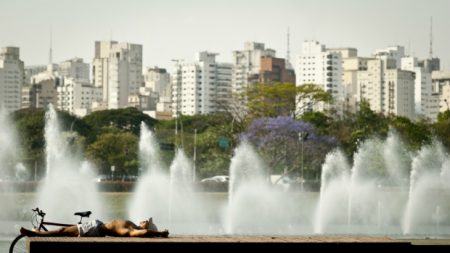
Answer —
(77, 96)
(74, 68)
(246, 65)
(274, 70)
(117, 68)
(158, 80)
(426, 97)
(44, 92)
(394, 52)
(351, 64)
(431, 64)
(322, 67)
(387, 89)
(201, 87)
(12, 78)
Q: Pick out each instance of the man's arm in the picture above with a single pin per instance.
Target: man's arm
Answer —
(148, 233)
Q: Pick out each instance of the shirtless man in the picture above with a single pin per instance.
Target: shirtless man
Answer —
(96, 228)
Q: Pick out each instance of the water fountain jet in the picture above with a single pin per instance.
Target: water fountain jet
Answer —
(69, 184)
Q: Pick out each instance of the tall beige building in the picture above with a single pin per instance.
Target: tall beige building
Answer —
(117, 68)
(12, 78)
(426, 96)
(74, 68)
(351, 64)
(387, 89)
(158, 81)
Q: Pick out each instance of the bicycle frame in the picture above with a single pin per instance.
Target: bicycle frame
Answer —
(19, 244)
(42, 223)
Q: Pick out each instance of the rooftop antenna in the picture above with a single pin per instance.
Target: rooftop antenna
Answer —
(177, 64)
(288, 52)
(50, 53)
(409, 47)
(431, 37)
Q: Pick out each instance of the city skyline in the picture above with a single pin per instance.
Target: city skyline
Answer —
(178, 29)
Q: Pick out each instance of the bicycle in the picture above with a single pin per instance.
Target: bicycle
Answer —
(37, 220)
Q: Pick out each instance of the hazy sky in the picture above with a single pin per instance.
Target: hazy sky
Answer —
(176, 29)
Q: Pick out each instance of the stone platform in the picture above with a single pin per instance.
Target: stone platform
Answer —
(208, 243)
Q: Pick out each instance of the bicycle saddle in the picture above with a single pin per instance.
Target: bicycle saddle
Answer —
(83, 214)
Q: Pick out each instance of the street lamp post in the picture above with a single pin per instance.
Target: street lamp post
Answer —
(195, 154)
(35, 170)
(113, 168)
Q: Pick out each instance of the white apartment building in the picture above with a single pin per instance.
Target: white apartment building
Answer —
(77, 96)
(387, 89)
(441, 80)
(117, 68)
(201, 87)
(74, 68)
(317, 65)
(246, 64)
(426, 98)
(12, 78)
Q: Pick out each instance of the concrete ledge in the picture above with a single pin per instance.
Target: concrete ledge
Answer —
(206, 243)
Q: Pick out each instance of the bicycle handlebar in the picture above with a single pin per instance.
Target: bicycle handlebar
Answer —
(39, 212)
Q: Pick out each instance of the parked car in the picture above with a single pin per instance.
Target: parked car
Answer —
(103, 178)
(129, 178)
(216, 179)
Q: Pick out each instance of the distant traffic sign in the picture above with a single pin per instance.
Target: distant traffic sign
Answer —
(224, 142)
(167, 146)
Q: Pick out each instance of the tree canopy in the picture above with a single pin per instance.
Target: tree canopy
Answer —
(127, 119)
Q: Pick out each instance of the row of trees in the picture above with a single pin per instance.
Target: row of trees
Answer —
(269, 122)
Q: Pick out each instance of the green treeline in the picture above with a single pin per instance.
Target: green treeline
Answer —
(270, 123)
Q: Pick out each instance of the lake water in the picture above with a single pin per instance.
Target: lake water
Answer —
(16, 210)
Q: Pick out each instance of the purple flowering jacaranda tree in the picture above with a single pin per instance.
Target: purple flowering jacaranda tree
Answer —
(279, 141)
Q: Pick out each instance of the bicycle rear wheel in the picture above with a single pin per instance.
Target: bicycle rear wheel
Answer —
(19, 245)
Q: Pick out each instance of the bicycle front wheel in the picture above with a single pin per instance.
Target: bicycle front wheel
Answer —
(19, 245)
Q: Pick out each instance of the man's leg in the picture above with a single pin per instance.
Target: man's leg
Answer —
(65, 231)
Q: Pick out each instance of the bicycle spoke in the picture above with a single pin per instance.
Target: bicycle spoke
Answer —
(19, 245)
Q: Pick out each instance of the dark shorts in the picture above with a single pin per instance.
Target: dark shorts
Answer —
(91, 228)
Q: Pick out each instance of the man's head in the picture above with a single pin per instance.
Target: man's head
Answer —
(148, 224)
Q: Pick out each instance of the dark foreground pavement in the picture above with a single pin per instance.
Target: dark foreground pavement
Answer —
(213, 243)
